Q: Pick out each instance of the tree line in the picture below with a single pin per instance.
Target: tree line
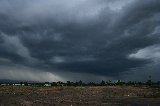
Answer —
(81, 83)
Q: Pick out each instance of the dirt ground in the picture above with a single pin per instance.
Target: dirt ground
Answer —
(79, 96)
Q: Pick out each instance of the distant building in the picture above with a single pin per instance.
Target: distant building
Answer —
(4, 84)
(18, 84)
(47, 84)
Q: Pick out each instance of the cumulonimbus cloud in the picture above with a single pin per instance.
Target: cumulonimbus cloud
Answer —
(92, 37)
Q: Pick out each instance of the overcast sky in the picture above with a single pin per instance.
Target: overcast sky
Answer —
(91, 40)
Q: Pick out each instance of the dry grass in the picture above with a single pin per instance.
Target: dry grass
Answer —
(78, 96)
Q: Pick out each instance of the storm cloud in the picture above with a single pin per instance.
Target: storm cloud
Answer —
(54, 40)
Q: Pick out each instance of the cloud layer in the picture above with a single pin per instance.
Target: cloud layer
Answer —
(102, 38)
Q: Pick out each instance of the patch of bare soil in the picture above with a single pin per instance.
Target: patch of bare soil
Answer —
(79, 96)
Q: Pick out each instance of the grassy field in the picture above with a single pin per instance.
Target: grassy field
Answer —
(79, 96)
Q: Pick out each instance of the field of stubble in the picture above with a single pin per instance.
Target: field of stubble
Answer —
(79, 96)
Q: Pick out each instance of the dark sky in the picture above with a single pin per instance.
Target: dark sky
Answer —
(91, 40)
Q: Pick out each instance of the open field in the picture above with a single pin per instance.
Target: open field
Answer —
(79, 96)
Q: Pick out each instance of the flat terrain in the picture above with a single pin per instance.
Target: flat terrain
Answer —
(79, 96)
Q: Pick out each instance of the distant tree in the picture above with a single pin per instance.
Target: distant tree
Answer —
(21, 83)
(131, 83)
(91, 84)
(102, 83)
(109, 82)
(53, 84)
(26, 83)
(149, 82)
(68, 83)
(80, 83)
